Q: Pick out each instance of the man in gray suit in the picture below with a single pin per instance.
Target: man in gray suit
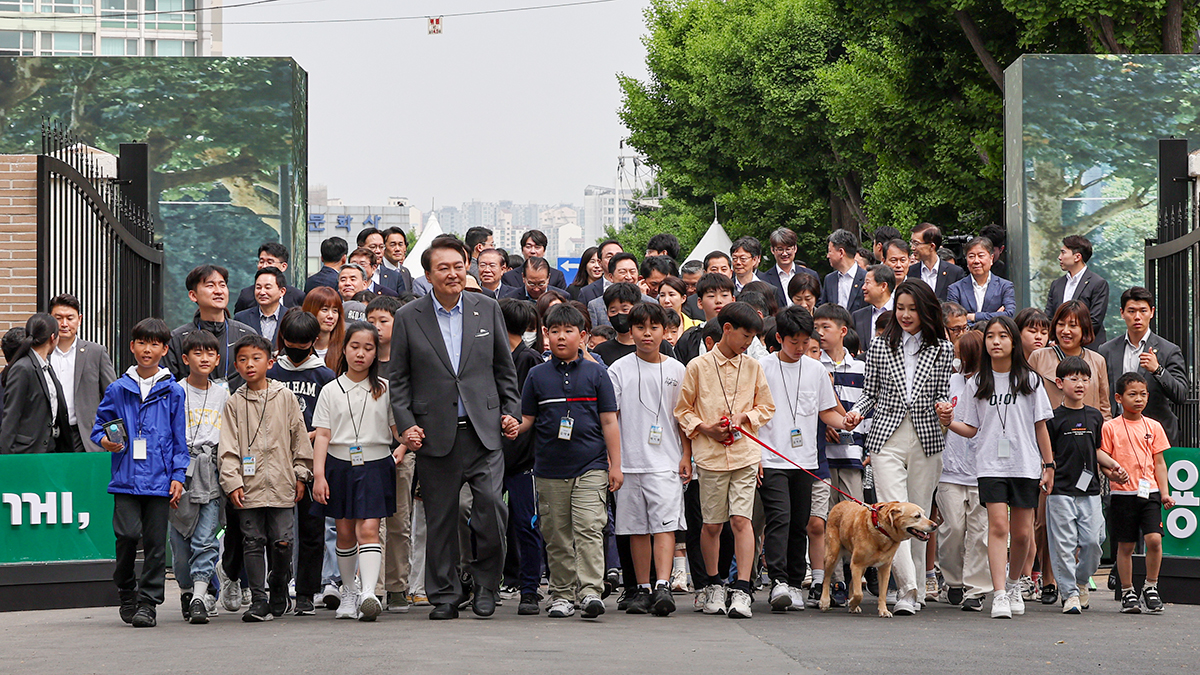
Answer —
(454, 395)
(84, 369)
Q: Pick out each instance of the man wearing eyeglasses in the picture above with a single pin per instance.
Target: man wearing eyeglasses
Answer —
(536, 272)
(744, 257)
(491, 266)
(935, 272)
(783, 248)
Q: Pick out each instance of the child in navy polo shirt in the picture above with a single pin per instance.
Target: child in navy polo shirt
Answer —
(570, 404)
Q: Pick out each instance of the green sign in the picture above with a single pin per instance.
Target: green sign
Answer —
(55, 507)
(1181, 524)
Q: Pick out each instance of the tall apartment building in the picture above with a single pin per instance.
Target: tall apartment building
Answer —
(601, 210)
(110, 27)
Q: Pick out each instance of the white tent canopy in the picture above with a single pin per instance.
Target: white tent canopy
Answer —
(412, 261)
(714, 239)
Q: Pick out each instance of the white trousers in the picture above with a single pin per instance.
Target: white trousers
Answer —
(904, 474)
(962, 540)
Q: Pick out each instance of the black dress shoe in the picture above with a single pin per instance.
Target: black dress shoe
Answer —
(443, 612)
(485, 602)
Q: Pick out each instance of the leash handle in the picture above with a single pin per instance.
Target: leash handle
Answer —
(775, 452)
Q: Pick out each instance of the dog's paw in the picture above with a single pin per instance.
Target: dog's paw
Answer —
(824, 605)
(883, 613)
(856, 610)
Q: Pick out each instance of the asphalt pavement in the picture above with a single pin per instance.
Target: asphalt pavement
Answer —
(941, 639)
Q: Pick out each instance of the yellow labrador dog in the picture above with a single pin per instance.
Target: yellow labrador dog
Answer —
(869, 539)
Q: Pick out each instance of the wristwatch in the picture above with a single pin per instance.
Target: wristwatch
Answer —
(1049, 465)
(1161, 369)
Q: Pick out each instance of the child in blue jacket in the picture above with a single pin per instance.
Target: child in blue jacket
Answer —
(142, 421)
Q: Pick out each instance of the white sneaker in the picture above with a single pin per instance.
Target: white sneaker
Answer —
(1071, 606)
(905, 607)
(330, 597)
(714, 599)
(231, 595)
(210, 604)
(807, 579)
(739, 605)
(1028, 588)
(797, 594)
(1085, 597)
(1016, 602)
(931, 589)
(698, 600)
(348, 606)
(679, 582)
(561, 608)
(781, 596)
(1001, 605)
(246, 598)
(892, 597)
(369, 607)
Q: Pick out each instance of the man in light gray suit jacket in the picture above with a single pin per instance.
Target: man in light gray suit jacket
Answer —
(454, 395)
(84, 369)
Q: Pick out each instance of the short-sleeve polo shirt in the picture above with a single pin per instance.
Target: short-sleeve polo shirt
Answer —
(554, 390)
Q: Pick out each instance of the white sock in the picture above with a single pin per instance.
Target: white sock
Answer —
(818, 576)
(679, 563)
(1010, 584)
(370, 558)
(645, 586)
(199, 588)
(662, 583)
(347, 559)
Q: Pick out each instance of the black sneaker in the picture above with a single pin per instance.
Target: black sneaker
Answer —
(1129, 603)
(185, 602)
(838, 595)
(954, 595)
(1150, 597)
(279, 603)
(663, 603)
(1049, 594)
(639, 601)
(128, 605)
(305, 605)
(198, 611)
(612, 579)
(529, 605)
(625, 598)
(145, 617)
(814, 595)
(972, 604)
(259, 611)
(872, 576)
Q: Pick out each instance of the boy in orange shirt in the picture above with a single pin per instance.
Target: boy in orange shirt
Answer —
(1137, 444)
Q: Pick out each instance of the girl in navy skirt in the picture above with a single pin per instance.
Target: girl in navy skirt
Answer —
(355, 466)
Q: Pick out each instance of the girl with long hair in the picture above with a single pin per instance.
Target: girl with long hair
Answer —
(325, 304)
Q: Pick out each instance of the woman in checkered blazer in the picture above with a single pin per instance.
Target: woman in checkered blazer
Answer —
(907, 374)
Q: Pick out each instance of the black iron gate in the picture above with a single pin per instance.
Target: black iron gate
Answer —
(1173, 272)
(96, 237)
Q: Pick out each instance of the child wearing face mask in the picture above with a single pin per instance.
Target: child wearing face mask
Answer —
(619, 299)
(304, 373)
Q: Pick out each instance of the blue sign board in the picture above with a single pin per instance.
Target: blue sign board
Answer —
(568, 266)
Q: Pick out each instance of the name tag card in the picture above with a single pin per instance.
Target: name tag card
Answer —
(1144, 488)
(1003, 449)
(139, 448)
(1085, 480)
(248, 466)
(565, 426)
(655, 435)
(356, 456)
(797, 439)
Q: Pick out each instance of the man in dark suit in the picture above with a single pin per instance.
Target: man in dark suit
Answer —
(878, 285)
(983, 294)
(264, 317)
(270, 254)
(1160, 362)
(1080, 283)
(533, 245)
(83, 367)
(382, 276)
(379, 281)
(394, 251)
(478, 240)
(935, 272)
(333, 256)
(784, 245)
(454, 395)
(535, 281)
(844, 285)
(608, 249)
(35, 411)
(490, 264)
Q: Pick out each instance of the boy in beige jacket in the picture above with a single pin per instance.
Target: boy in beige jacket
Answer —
(266, 459)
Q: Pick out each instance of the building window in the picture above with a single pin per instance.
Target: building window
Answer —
(16, 5)
(68, 44)
(170, 48)
(69, 6)
(16, 43)
(119, 13)
(118, 47)
(171, 14)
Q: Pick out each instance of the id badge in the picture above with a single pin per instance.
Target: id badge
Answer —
(139, 448)
(737, 435)
(655, 435)
(1085, 480)
(565, 426)
(1003, 449)
(248, 466)
(1144, 488)
(356, 456)
(797, 439)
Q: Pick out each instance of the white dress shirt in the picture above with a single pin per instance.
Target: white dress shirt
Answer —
(980, 291)
(388, 264)
(845, 285)
(1133, 354)
(64, 367)
(910, 344)
(887, 307)
(929, 276)
(1072, 284)
(49, 386)
(785, 278)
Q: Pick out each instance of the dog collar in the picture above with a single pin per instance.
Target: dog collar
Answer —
(875, 521)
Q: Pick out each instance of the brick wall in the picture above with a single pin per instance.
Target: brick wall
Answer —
(18, 239)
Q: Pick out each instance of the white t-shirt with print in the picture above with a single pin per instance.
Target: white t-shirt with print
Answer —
(1008, 416)
(801, 390)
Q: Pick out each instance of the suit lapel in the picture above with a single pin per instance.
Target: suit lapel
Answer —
(80, 354)
(427, 320)
(472, 323)
(41, 379)
(925, 359)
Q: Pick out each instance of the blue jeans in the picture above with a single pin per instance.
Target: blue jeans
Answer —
(522, 517)
(1073, 522)
(195, 557)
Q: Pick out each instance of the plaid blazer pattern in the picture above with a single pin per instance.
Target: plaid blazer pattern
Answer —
(884, 393)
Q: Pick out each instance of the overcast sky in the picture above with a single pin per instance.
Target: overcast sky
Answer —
(519, 106)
